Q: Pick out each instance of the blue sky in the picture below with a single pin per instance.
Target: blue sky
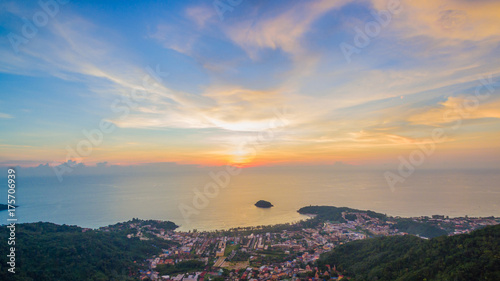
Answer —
(221, 81)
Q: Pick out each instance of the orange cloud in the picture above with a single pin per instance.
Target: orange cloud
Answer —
(448, 19)
(455, 108)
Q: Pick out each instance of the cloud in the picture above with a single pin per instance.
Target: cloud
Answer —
(201, 15)
(5, 116)
(225, 107)
(180, 39)
(78, 169)
(274, 55)
(457, 108)
(448, 19)
(283, 31)
(79, 52)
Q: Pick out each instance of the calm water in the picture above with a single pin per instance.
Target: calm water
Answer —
(102, 200)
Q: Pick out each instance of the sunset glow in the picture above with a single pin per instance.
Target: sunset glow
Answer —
(267, 84)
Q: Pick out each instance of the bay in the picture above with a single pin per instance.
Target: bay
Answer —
(99, 200)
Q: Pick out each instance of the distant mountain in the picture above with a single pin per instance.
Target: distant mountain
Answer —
(473, 256)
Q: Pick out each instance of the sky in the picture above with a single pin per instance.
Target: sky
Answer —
(250, 83)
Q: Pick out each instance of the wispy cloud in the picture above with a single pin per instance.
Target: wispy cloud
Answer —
(455, 108)
(227, 77)
(5, 115)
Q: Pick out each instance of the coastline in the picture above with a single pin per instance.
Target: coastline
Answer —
(163, 249)
(304, 216)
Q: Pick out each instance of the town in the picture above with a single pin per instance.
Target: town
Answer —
(287, 251)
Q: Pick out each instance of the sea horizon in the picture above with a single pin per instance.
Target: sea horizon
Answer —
(93, 201)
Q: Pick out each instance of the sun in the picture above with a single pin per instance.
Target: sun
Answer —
(241, 157)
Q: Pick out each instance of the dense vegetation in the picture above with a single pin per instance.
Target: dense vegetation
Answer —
(351, 217)
(165, 225)
(325, 212)
(180, 267)
(263, 204)
(330, 213)
(474, 256)
(46, 251)
(263, 229)
(417, 228)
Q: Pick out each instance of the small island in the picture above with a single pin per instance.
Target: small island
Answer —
(263, 204)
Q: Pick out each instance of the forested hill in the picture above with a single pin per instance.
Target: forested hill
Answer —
(332, 213)
(408, 225)
(46, 251)
(474, 256)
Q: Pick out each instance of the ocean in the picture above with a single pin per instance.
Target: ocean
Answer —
(100, 200)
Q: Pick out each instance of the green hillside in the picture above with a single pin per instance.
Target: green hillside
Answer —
(474, 256)
(46, 251)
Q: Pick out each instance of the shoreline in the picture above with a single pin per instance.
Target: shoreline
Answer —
(307, 216)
